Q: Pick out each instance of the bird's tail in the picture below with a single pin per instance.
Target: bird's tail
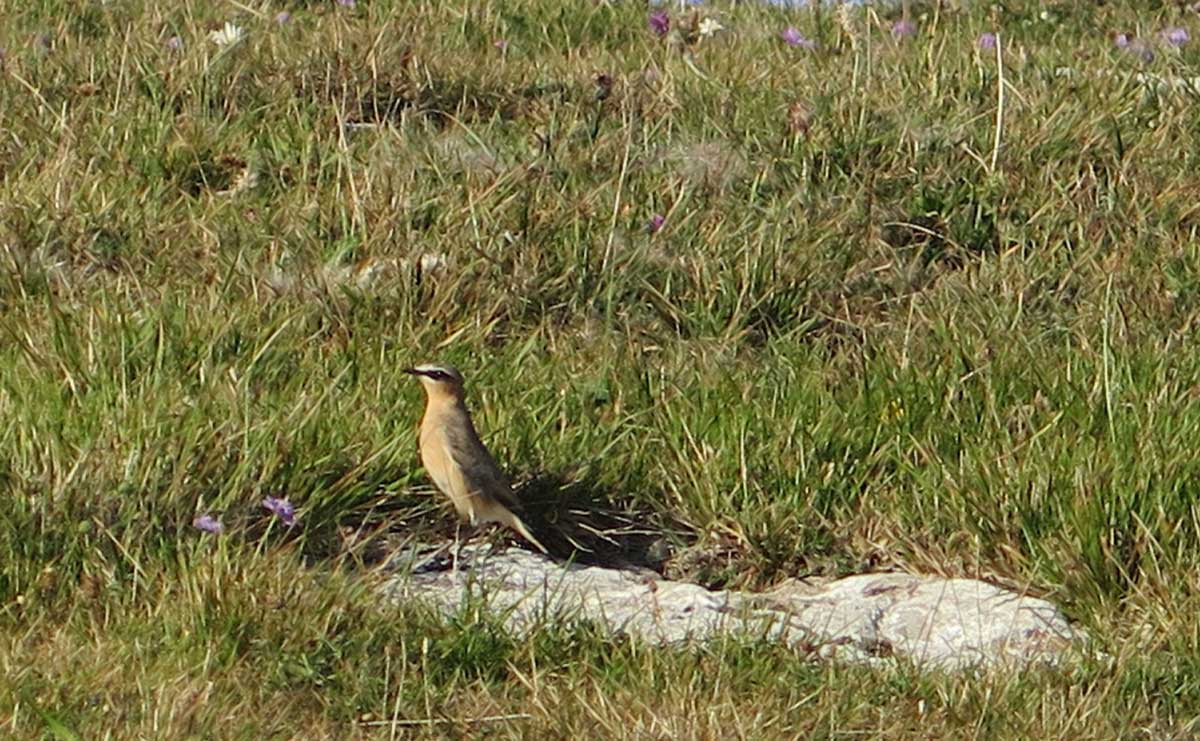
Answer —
(514, 522)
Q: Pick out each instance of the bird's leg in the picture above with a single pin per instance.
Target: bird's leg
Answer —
(491, 551)
(457, 547)
(472, 534)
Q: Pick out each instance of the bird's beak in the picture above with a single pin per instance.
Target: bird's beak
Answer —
(412, 371)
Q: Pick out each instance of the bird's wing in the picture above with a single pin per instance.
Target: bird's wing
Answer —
(479, 470)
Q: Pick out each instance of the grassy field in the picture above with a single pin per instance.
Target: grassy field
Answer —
(881, 321)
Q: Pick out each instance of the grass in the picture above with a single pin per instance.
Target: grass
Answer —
(874, 331)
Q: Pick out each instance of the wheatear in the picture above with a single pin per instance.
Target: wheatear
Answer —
(455, 458)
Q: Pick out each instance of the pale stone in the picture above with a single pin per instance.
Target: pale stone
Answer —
(949, 624)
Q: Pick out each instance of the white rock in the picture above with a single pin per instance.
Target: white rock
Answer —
(948, 624)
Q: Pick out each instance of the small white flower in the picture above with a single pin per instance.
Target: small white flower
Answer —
(708, 27)
(246, 180)
(432, 262)
(227, 36)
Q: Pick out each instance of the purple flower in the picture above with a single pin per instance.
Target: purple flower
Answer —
(501, 44)
(792, 37)
(986, 41)
(1134, 45)
(346, 3)
(43, 41)
(208, 524)
(174, 43)
(282, 18)
(660, 23)
(281, 508)
(902, 28)
(656, 223)
(1176, 36)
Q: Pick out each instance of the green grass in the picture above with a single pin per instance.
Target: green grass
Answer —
(856, 346)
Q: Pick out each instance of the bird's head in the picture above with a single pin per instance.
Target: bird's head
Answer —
(438, 380)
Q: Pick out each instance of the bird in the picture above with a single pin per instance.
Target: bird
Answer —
(456, 459)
